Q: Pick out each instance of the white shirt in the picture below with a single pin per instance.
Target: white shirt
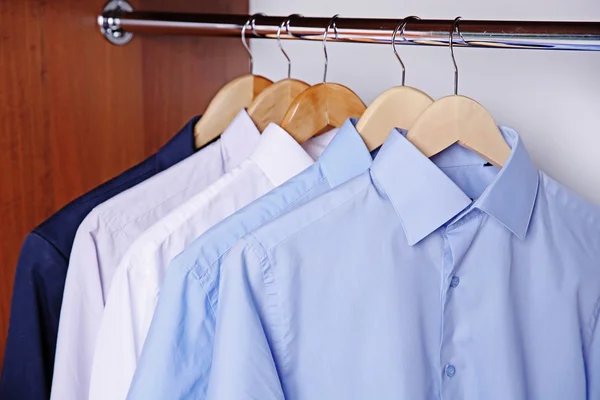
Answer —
(136, 285)
(107, 232)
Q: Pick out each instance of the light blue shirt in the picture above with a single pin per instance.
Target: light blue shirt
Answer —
(176, 358)
(396, 285)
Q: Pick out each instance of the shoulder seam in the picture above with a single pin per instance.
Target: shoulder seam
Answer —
(311, 222)
(207, 273)
(38, 234)
(117, 229)
(262, 257)
(274, 216)
(81, 199)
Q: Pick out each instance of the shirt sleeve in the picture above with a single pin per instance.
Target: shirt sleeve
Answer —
(176, 357)
(35, 310)
(116, 350)
(243, 364)
(80, 316)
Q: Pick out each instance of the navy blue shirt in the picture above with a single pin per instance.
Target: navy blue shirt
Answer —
(42, 269)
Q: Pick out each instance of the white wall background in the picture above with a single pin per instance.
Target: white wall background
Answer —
(551, 98)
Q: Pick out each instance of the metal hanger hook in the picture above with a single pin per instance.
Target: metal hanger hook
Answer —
(331, 23)
(401, 26)
(287, 24)
(253, 23)
(451, 42)
(287, 30)
(250, 23)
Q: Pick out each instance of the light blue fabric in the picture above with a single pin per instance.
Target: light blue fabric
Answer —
(396, 285)
(176, 359)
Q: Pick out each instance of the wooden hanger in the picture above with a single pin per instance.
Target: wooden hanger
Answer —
(227, 103)
(459, 119)
(398, 107)
(322, 106)
(229, 100)
(273, 102)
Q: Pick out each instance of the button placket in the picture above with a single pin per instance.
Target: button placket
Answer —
(458, 238)
(448, 285)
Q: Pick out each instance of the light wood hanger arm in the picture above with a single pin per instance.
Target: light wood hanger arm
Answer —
(272, 103)
(459, 119)
(319, 108)
(233, 97)
(398, 107)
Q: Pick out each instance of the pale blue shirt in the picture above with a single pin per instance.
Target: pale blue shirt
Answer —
(176, 358)
(396, 285)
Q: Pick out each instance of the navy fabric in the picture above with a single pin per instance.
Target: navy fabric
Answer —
(42, 269)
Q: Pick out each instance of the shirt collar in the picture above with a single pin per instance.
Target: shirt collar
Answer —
(238, 140)
(346, 156)
(279, 156)
(425, 198)
(178, 148)
(511, 197)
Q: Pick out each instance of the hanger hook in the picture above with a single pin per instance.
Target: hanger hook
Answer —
(401, 23)
(451, 42)
(401, 26)
(331, 22)
(253, 23)
(289, 62)
(246, 44)
(286, 22)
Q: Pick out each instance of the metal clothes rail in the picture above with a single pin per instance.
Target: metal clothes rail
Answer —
(118, 22)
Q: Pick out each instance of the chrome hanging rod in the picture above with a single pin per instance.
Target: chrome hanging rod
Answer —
(118, 22)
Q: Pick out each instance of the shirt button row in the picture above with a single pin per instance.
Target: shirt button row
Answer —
(454, 282)
(450, 369)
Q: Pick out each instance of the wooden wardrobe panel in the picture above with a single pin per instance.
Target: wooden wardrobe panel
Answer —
(193, 83)
(25, 164)
(94, 97)
(76, 110)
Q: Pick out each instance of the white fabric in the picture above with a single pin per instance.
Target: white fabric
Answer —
(316, 145)
(107, 232)
(136, 284)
